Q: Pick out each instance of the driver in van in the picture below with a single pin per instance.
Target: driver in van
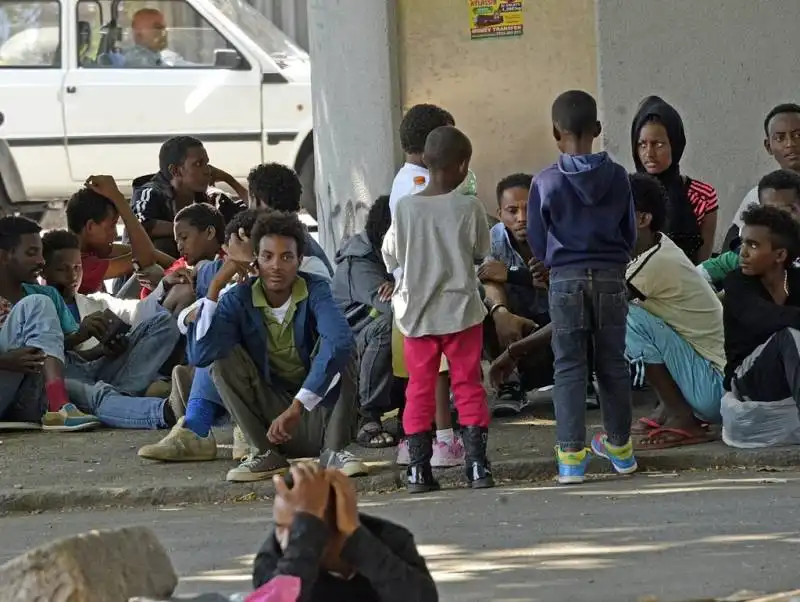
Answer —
(150, 36)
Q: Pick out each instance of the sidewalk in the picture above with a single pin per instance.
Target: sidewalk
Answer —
(50, 471)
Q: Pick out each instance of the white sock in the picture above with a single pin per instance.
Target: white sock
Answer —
(445, 436)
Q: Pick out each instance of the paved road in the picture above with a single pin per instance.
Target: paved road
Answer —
(676, 537)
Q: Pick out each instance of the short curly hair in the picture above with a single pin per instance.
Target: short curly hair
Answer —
(418, 122)
(650, 196)
(244, 220)
(275, 186)
(780, 179)
(278, 223)
(515, 180)
(87, 205)
(784, 232)
(203, 216)
(59, 240)
(379, 219)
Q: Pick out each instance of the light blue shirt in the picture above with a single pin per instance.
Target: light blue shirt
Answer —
(68, 323)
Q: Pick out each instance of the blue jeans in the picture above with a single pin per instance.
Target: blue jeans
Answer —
(32, 322)
(589, 308)
(109, 388)
(650, 340)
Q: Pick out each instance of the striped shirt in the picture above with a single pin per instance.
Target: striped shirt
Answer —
(703, 198)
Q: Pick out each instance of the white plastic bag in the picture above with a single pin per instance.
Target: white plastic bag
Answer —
(754, 424)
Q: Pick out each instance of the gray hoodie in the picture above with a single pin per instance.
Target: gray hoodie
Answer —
(360, 271)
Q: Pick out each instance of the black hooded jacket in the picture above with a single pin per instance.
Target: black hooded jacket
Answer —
(681, 223)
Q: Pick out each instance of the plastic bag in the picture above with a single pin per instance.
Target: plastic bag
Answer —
(284, 588)
(754, 424)
(470, 185)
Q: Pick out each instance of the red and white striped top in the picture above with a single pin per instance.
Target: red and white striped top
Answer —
(703, 198)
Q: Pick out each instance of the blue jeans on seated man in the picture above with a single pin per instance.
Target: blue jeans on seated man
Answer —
(32, 322)
(589, 308)
(650, 340)
(110, 388)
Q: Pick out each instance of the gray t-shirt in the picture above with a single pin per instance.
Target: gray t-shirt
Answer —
(436, 241)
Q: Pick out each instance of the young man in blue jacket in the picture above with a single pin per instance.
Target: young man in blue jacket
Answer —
(281, 355)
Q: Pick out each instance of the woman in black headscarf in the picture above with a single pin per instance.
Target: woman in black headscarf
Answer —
(658, 142)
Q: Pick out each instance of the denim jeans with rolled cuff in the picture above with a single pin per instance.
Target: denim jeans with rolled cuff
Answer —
(588, 310)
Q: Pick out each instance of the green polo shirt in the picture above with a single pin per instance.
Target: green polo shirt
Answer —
(284, 359)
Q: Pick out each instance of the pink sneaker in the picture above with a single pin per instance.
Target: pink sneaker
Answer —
(446, 456)
(403, 458)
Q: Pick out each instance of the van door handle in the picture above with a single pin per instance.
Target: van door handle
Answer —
(71, 89)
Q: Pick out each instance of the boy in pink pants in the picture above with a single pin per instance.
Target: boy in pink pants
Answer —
(436, 237)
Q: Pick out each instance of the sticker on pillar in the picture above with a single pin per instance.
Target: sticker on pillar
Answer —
(494, 18)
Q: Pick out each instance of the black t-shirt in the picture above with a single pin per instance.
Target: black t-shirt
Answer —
(751, 316)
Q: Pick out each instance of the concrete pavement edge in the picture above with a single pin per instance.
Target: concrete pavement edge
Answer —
(507, 470)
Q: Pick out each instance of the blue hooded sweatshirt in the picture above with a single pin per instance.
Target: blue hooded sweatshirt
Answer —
(581, 215)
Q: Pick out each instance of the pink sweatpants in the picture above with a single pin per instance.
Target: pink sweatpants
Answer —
(463, 353)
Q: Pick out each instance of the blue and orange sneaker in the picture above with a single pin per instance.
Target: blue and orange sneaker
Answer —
(621, 458)
(572, 466)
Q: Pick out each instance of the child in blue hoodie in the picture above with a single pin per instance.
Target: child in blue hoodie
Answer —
(581, 220)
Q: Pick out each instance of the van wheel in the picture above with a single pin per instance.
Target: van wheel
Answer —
(307, 179)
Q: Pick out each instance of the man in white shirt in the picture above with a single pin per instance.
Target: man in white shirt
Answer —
(782, 143)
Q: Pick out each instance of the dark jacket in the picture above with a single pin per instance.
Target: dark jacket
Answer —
(580, 213)
(360, 271)
(388, 566)
(751, 316)
(321, 334)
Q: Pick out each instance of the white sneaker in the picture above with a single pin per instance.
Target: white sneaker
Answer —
(241, 447)
(181, 445)
(447, 455)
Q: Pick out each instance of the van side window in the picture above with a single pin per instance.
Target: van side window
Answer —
(30, 34)
(155, 34)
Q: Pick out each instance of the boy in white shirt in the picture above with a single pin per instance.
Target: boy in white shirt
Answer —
(446, 316)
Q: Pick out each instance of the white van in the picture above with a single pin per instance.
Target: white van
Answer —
(70, 107)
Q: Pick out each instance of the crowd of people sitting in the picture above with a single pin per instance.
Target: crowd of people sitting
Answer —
(225, 309)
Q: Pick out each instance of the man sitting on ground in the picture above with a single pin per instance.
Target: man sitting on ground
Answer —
(92, 214)
(337, 553)
(762, 311)
(183, 178)
(674, 329)
(275, 186)
(282, 355)
(362, 291)
(509, 285)
(781, 189)
(35, 328)
(108, 377)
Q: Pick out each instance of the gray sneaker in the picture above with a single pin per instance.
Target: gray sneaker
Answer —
(257, 467)
(344, 462)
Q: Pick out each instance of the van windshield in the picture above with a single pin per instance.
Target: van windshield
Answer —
(263, 32)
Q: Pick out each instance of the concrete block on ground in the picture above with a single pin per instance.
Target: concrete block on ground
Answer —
(99, 566)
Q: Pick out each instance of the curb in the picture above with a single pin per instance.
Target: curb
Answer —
(701, 457)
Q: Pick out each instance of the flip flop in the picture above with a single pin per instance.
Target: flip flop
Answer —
(373, 436)
(668, 438)
(644, 425)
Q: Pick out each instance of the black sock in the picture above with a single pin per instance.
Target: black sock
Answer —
(169, 415)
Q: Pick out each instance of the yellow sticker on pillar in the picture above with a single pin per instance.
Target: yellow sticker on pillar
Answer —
(494, 18)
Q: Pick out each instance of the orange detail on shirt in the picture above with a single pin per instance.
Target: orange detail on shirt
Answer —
(419, 180)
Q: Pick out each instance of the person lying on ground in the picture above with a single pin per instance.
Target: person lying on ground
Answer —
(337, 552)
(782, 143)
(108, 374)
(92, 214)
(674, 330)
(508, 283)
(658, 142)
(184, 177)
(276, 186)
(281, 355)
(35, 329)
(362, 289)
(762, 310)
(781, 189)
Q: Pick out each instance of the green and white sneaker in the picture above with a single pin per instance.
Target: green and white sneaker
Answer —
(68, 419)
(344, 462)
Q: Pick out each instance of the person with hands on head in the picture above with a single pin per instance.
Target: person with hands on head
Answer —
(107, 374)
(281, 355)
(338, 553)
(34, 323)
(92, 214)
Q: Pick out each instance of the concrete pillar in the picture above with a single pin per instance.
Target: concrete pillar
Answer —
(356, 104)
